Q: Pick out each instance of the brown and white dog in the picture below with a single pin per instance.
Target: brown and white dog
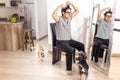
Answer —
(40, 51)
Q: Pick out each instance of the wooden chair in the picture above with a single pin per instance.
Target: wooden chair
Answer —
(56, 55)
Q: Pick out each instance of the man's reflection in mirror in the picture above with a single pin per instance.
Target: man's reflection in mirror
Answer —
(102, 34)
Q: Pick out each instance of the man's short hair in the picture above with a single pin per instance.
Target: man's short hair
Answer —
(110, 12)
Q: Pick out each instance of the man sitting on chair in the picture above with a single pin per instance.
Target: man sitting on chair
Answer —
(103, 31)
(63, 32)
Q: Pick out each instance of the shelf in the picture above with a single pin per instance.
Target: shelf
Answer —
(2, 4)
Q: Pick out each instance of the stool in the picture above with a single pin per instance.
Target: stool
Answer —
(27, 38)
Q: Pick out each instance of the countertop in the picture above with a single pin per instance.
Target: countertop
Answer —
(8, 22)
(5, 21)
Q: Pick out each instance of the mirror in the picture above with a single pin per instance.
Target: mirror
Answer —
(100, 37)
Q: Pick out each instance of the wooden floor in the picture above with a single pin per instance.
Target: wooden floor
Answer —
(25, 65)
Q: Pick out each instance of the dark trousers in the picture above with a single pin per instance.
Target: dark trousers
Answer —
(97, 51)
(68, 46)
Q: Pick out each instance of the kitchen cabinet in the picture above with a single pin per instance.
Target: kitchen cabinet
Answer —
(2, 3)
(11, 36)
(6, 2)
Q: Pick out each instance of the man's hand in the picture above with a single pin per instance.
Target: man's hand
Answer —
(76, 10)
(62, 6)
(101, 11)
(108, 8)
(68, 3)
(54, 14)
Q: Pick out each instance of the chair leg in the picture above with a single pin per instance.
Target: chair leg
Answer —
(32, 42)
(26, 40)
(106, 56)
(31, 37)
(74, 56)
(56, 56)
(92, 55)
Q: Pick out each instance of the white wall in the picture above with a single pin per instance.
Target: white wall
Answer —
(41, 16)
(116, 38)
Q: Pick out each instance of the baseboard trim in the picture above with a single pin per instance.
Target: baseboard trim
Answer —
(115, 55)
(42, 37)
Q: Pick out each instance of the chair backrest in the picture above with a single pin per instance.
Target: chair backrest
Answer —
(52, 25)
(96, 28)
(103, 45)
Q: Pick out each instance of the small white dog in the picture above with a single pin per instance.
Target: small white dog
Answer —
(40, 51)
